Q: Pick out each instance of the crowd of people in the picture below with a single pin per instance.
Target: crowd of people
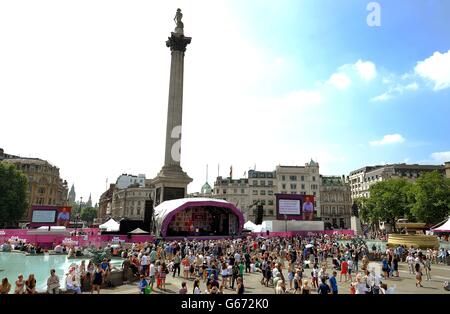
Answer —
(296, 265)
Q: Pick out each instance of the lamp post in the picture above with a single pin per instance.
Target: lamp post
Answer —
(285, 222)
(77, 216)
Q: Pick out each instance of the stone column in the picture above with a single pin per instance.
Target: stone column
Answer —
(177, 43)
(171, 182)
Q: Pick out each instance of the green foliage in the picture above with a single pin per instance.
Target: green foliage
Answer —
(365, 213)
(430, 198)
(389, 199)
(426, 200)
(88, 214)
(13, 194)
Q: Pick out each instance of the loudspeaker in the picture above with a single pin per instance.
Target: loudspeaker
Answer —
(148, 215)
(259, 214)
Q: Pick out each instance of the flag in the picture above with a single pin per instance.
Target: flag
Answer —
(231, 171)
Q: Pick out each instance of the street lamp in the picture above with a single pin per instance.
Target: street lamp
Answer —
(285, 222)
(77, 216)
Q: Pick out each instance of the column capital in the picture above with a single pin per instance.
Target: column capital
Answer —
(178, 42)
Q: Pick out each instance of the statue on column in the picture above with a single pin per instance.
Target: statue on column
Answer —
(180, 26)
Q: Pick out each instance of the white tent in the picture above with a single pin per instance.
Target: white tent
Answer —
(250, 226)
(443, 228)
(110, 225)
(138, 231)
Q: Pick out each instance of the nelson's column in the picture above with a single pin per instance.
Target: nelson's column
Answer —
(171, 182)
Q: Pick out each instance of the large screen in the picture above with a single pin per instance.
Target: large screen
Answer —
(295, 207)
(48, 215)
(289, 207)
(44, 216)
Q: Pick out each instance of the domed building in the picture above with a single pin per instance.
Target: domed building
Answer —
(206, 189)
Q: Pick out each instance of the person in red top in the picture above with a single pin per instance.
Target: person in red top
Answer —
(344, 270)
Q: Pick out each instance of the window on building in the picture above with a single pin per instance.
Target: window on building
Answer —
(224, 191)
(293, 178)
(262, 192)
(283, 186)
(271, 212)
(270, 202)
(262, 182)
(283, 178)
(303, 186)
(138, 211)
(314, 178)
(255, 192)
(263, 202)
(314, 193)
(302, 178)
(270, 192)
(269, 182)
(242, 191)
(235, 191)
(293, 186)
(255, 182)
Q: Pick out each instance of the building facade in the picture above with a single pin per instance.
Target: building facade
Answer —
(105, 203)
(45, 186)
(360, 180)
(126, 180)
(130, 202)
(336, 202)
(235, 191)
(300, 180)
(447, 169)
(262, 186)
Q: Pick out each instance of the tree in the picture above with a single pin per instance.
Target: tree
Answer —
(88, 214)
(430, 198)
(13, 194)
(389, 200)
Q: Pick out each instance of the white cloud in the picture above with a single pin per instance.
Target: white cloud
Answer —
(383, 97)
(412, 86)
(441, 156)
(388, 139)
(366, 69)
(340, 80)
(436, 69)
(303, 98)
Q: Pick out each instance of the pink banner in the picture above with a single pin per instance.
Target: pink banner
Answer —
(91, 237)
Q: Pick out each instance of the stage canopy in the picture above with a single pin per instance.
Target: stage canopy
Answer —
(110, 225)
(443, 228)
(166, 211)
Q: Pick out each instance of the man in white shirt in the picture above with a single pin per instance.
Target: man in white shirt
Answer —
(410, 261)
(237, 257)
(144, 264)
(152, 270)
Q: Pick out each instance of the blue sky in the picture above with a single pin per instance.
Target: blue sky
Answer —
(317, 37)
(266, 83)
